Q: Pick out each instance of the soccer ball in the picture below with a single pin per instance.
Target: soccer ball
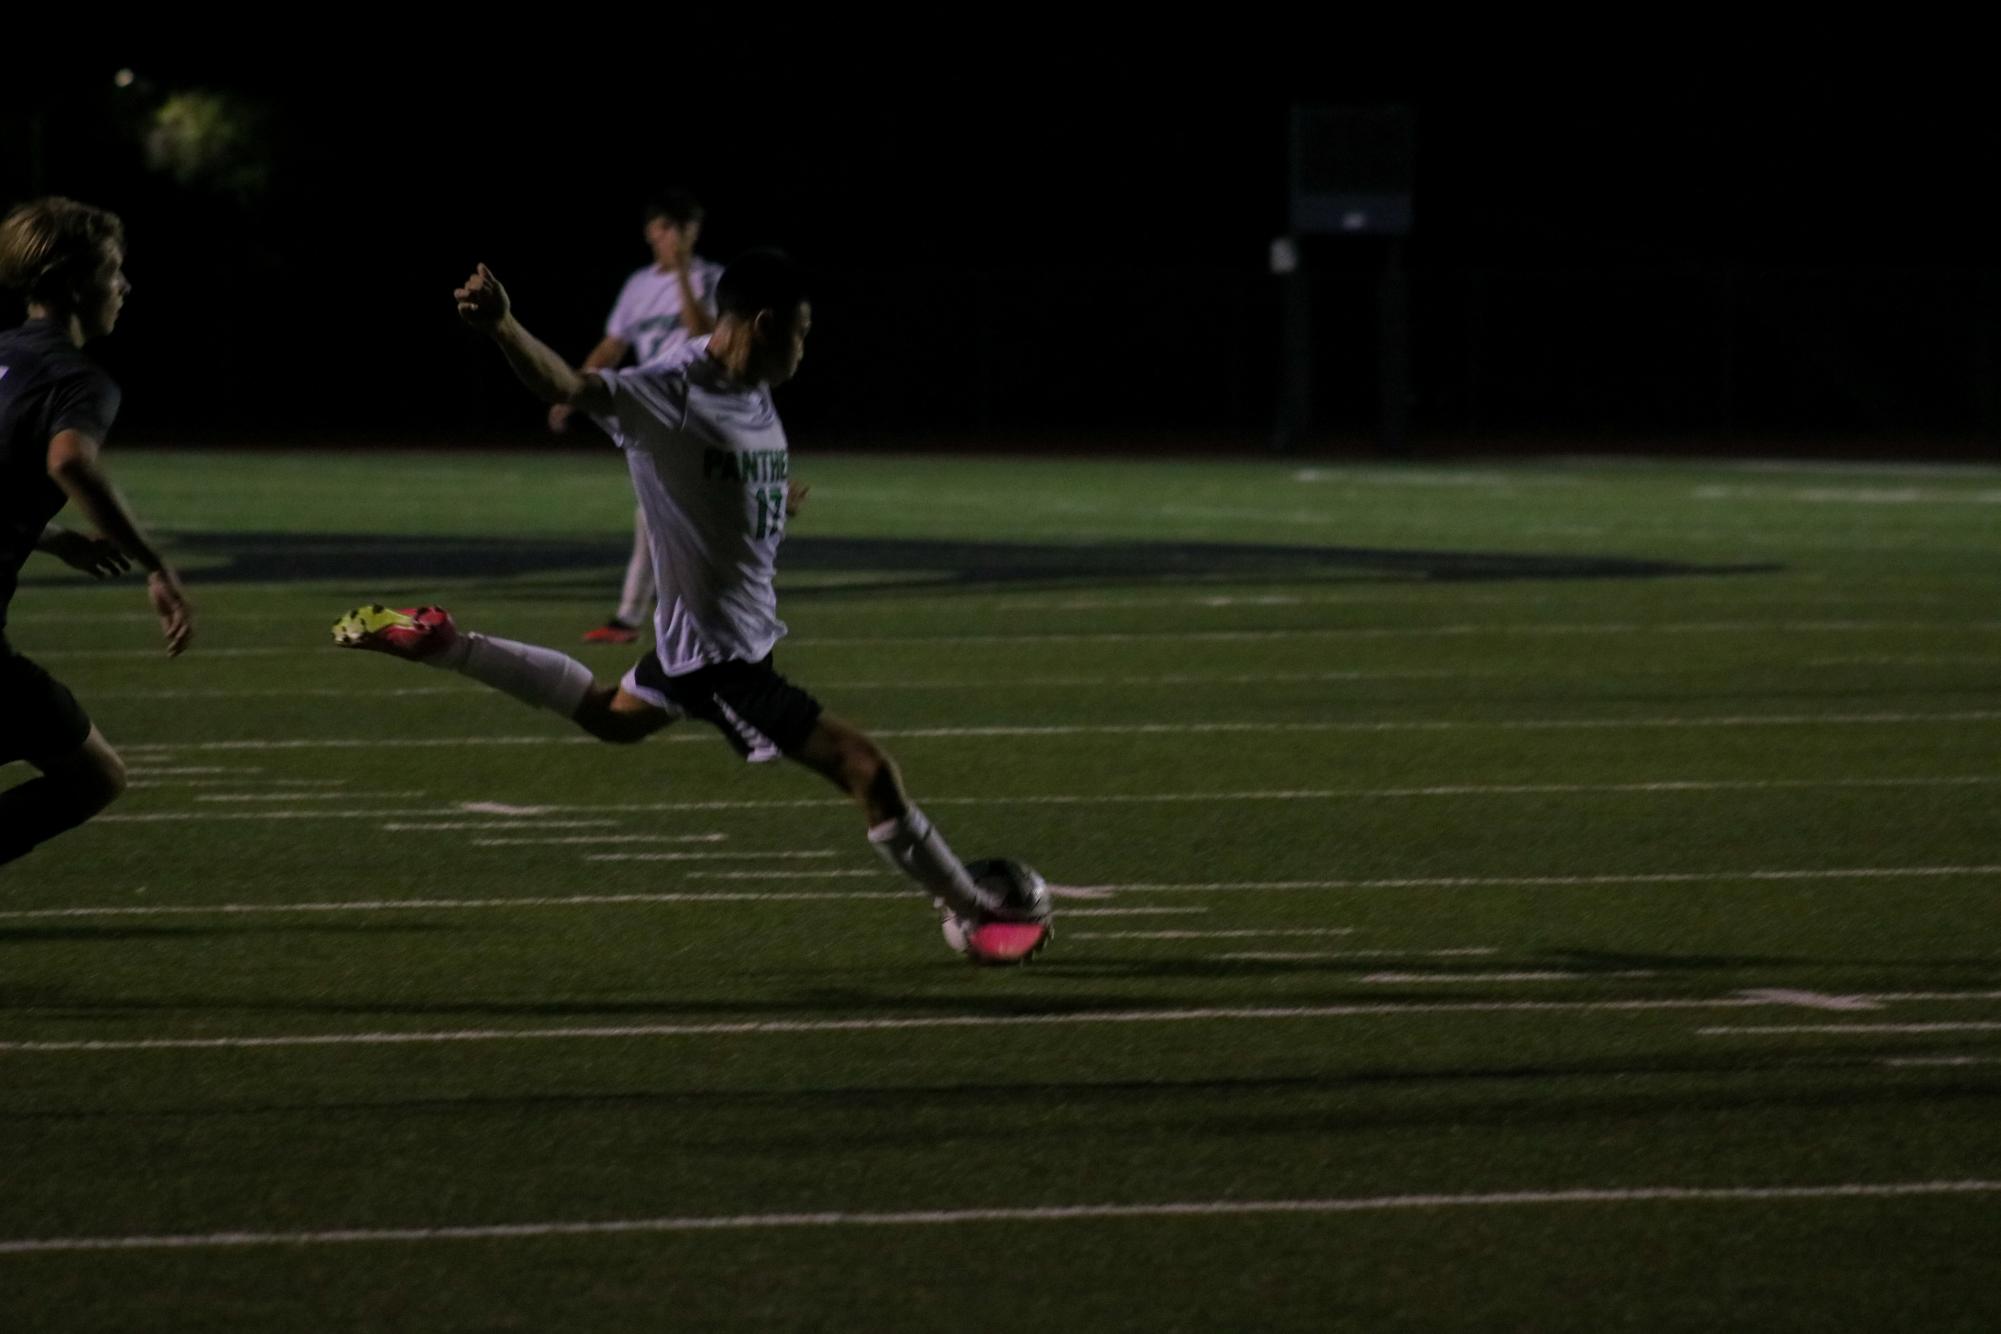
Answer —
(1027, 904)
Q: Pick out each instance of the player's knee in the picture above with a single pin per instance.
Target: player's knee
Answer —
(617, 728)
(597, 716)
(865, 770)
(97, 778)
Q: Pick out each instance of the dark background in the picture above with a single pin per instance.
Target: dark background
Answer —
(1070, 249)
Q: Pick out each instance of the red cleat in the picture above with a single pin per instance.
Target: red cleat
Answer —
(612, 632)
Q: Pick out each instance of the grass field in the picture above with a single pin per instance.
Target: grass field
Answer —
(1539, 896)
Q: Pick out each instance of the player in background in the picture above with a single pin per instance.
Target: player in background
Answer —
(659, 309)
(56, 406)
(709, 463)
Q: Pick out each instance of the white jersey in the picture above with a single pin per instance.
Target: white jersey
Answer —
(648, 315)
(709, 463)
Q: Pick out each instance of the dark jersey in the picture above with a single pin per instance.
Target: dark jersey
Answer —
(47, 386)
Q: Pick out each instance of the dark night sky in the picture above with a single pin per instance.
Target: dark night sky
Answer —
(1084, 201)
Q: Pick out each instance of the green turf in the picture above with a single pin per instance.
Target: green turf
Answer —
(1518, 787)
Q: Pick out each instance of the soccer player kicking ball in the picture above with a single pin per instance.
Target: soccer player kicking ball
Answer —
(708, 461)
(56, 406)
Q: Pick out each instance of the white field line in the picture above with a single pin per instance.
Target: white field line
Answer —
(1310, 956)
(596, 839)
(1816, 1000)
(286, 692)
(525, 825)
(1558, 881)
(1942, 1060)
(239, 782)
(1212, 935)
(1849, 1030)
(1647, 1195)
(1497, 628)
(566, 901)
(695, 872)
(1069, 913)
(466, 905)
(1172, 679)
(1933, 661)
(1623, 1195)
(145, 771)
(1293, 726)
(796, 1027)
(267, 652)
(234, 797)
(721, 856)
(1901, 997)
(984, 683)
(1500, 628)
(1119, 798)
(1389, 979)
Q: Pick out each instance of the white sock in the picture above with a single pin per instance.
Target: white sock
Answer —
(537, 676)
(917, 850)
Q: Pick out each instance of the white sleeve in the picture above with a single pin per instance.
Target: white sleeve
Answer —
(619, 323)
(640, 395)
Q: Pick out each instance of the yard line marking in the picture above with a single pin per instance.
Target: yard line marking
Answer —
(1145, 729)
(160, 784)
(1047, 1213)
(91, 653)
(285, 692)
(1462, 630)
(467, 905)
(139, 770)
(491, 824)
(1847, 1029)
(1943, 1060)
(1404, 632)
(789, 1027)
(713, 856)
(1287, 956)
(1129, 798)
(745, 875)
(1814, 1000)
(564, 901)
(597, 838)
(1069, 913)
(231, 797)
(1933, 995)
(1557, 881)
(1550, 975)
(1021, 1214)
(1210, 935)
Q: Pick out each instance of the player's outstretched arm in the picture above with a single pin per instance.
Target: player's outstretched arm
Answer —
(95, 556)
(483, 304)
(73, 466)
(611, 350)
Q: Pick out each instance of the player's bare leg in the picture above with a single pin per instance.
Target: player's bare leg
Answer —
(907, 840)
(71, 789)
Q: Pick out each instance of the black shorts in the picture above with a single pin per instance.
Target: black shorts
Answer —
(39, 719)
(759, 712)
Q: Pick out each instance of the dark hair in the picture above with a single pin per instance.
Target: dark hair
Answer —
(676, 205)
(760, 280)
(50, 247)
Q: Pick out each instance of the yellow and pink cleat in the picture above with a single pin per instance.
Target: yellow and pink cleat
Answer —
(415, 633)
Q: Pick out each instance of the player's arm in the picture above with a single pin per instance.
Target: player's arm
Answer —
(694, 313)
(73, 466)
(605, 356)
(93, 555)
(483, 304)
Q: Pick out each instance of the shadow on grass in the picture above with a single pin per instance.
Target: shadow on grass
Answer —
(1481, 1093)
(887, 564)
